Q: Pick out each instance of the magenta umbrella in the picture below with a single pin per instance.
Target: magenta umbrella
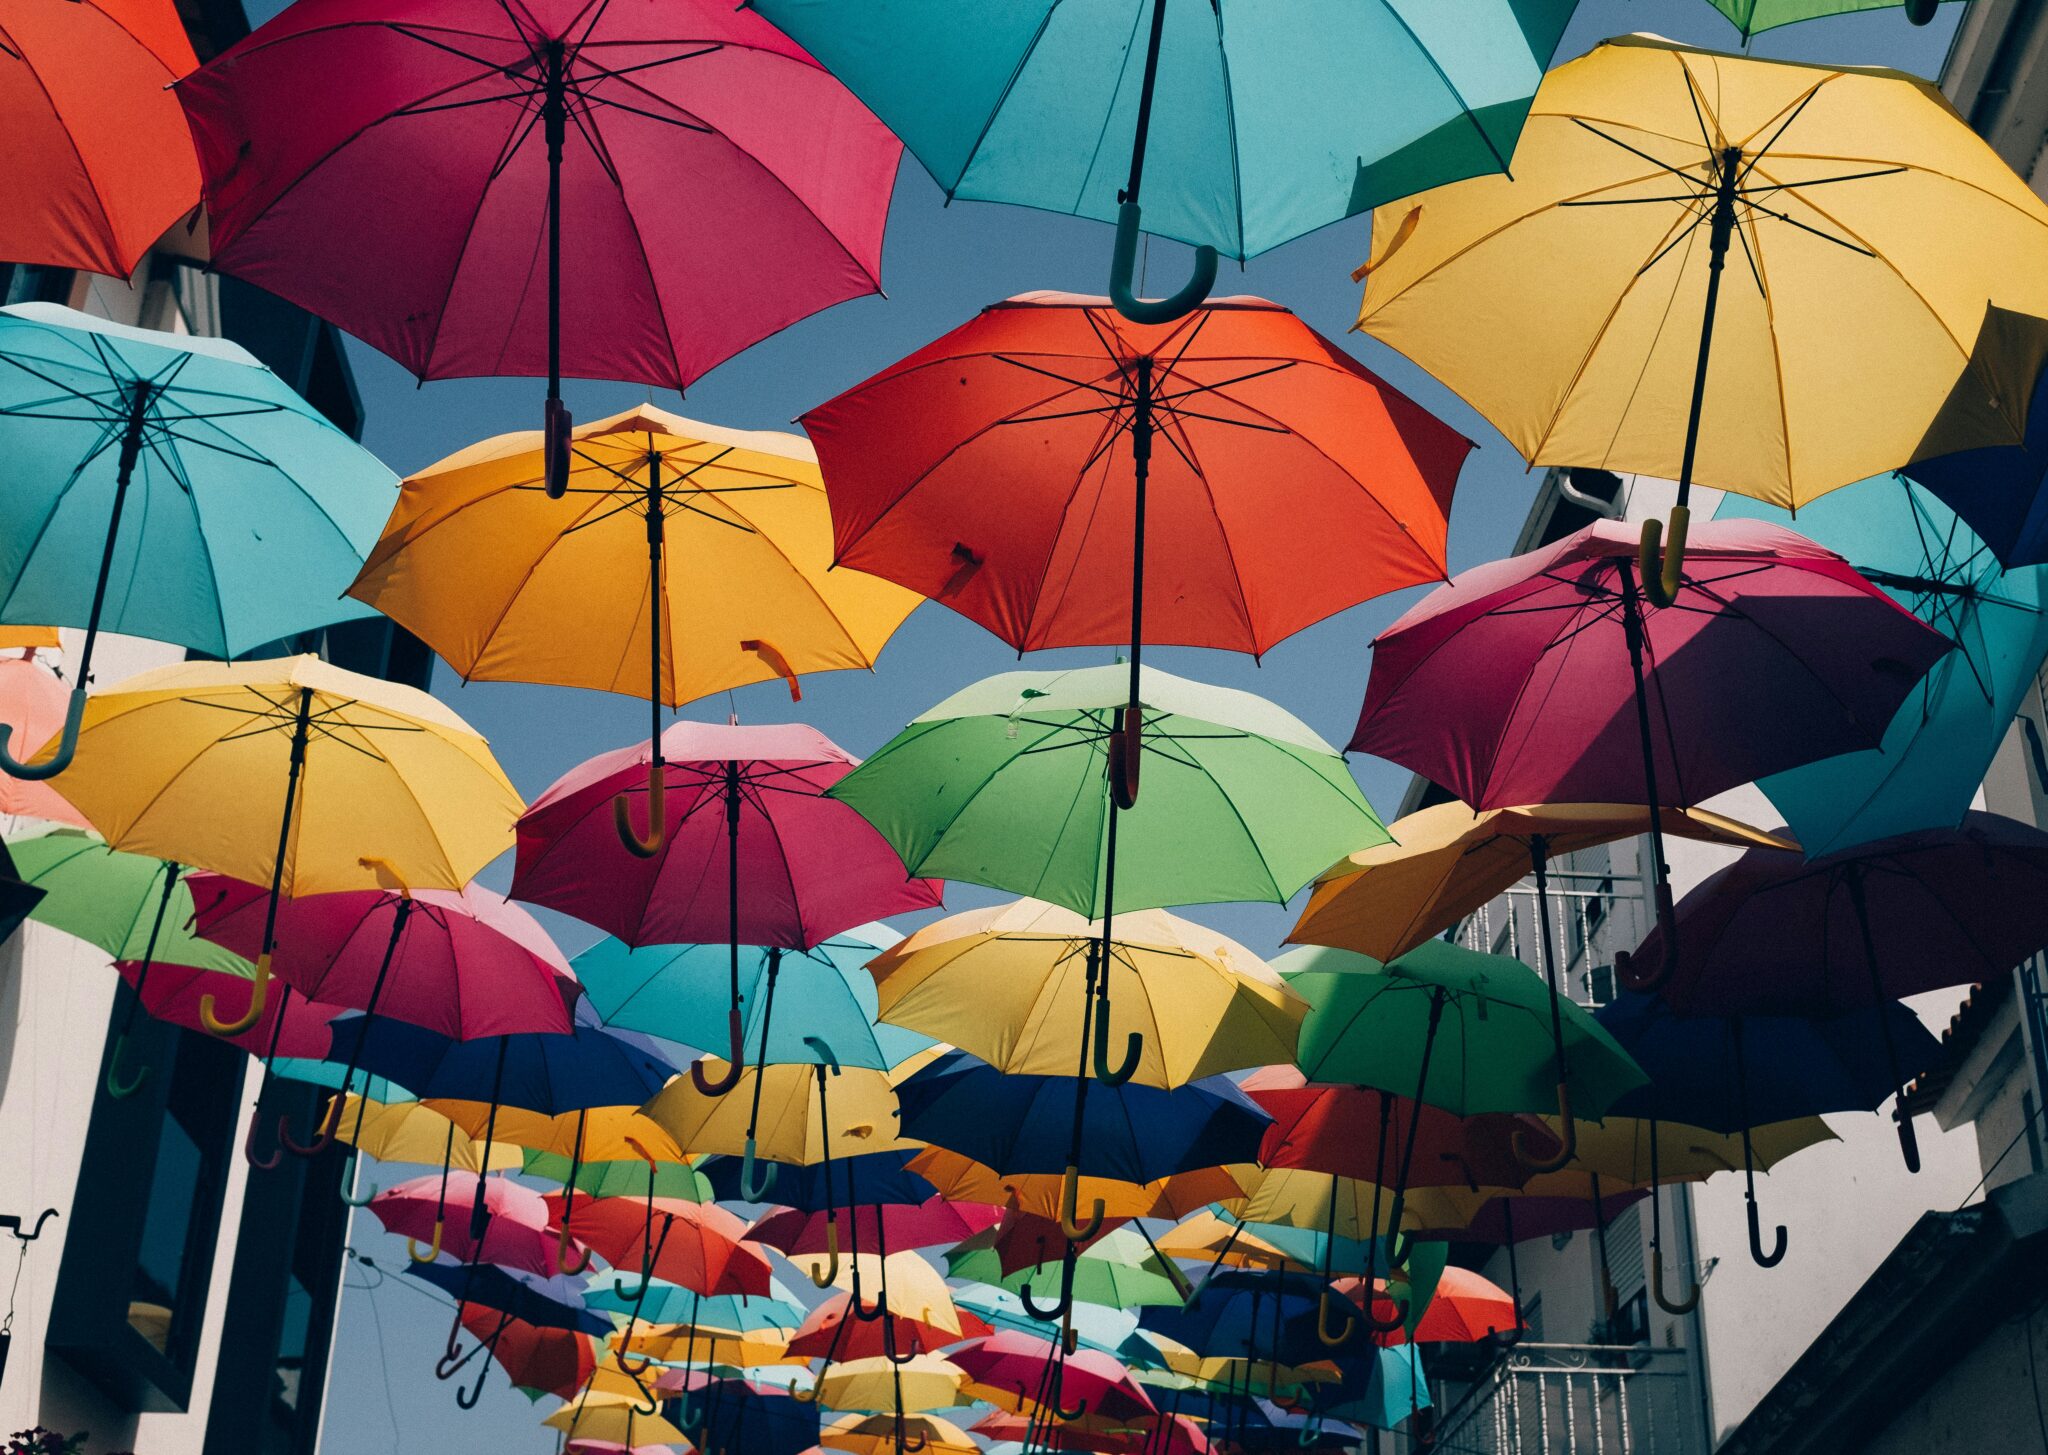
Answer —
(756, 854)
(1038, 1372)
(515, 1228)
(893, 1225)
(416, 171)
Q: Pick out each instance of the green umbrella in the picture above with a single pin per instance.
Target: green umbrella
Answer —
(1454, 1028)
(623, 1179)
(132, 906)
(1118, 1271)
(1752, 16)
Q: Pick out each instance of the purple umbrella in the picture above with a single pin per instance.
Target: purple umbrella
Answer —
(1773, 934)
(1547, 678)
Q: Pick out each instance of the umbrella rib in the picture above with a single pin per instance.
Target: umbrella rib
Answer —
(71, 140)
(1464, 107)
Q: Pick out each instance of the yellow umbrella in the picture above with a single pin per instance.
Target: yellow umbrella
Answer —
(295, 772)
(909, 1287)
(509, 585)
(927, 1382)
(34, 638)
(1321, 1202)
(885, 1435)
(1448, 860)
(707, 1344)
(594, 1134)
(412, 1131)
(1207, 1238)
(1237, 1371)
(1010, 983)
(613, 1419)
(962, 1179)
(1807, 252)
(862, 1107)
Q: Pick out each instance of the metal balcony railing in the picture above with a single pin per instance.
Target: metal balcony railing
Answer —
(1578, 1399)
(1592, 915)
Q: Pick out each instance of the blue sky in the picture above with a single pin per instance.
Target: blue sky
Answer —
(940, 265)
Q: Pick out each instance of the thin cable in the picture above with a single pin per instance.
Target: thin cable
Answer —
(2034, 1375)
(2025, 1127)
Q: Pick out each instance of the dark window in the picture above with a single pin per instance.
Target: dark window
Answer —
(1631, 1321)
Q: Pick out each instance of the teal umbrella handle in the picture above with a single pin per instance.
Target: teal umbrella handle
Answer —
(1123, 263)
(1921, 12)
(67, 744)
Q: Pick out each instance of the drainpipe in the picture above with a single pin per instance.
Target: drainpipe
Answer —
(1696, 1324)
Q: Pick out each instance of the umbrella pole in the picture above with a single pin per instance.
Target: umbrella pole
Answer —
(1756, 1228)
(323, 1134)
(1507, 1217)
(556, 420)
(828, 1065)
(1397, 1248)
(1178, 1279)
(1329, 1339)
(1123, 261)
(412, 1247)
(748, 1190)
(302, 727)
(1105, 955)
(1070, 1186)
(1600, 1233)
(479, 1214)
(1568, 1131)
(1126, 738)
(735, 1024)
(1667, 920)
(117, 1088)
(264, 1164)
(562, 1263)
(132, 434)
(1679, 1307)
(1909, 1142)
(1661, 580)
(1372, 1233)
(657, 601)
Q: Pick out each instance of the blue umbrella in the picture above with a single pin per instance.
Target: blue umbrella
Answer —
(169, 487)
(549, 1303)
(1381, 1387)
(736, 1415)
(1942, 739)
(883, 1177)
(671, 1303)
(1240, 1314)
(1256, 122)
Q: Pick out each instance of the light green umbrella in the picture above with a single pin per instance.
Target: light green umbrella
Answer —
(1118, 1271)
(132, 906)
(623, 1179)
(1752, 16)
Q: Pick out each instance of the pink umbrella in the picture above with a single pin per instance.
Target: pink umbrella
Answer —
(32, 703)
(755, 855)
(926, 1224)
(399, 167)
(1034, 1372)
(515, 1227)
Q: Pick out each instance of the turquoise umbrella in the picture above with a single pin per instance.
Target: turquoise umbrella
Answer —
(1941, 741)
(671, 1303)
(1095, 1327)
(169, 487)
(1254, 121)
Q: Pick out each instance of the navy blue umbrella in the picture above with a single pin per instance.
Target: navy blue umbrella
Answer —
(880, 1177)
(550, 1303)
(1997, 488)
(1244, 1314)
(736, 1416)
(549, 1074)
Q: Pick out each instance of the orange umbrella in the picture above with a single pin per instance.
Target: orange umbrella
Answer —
(98, 162)
(1465, 1308)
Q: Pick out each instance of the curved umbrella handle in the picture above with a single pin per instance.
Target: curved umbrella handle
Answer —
(831, 1268)
(412, 1247)
(1387, 1326)
(909, 1446)
(1647, 978)
(1061, 1307)
(249, 1147)
(636, 1370)
(653, 1405)
(358, 1201)
(1568, 1137)
(467, 1398)
(1756, 1240)
(657, 818)
(1311, 1431)
(562, 1263)
(1400, 1246)
(117, 1088)
(1680, 1307)
(801, 1396)
(687, 1417)
(1070, 1198)
(826, 1058)
(1134, 1047)
(1661, 580)
(1126, 750)
(748, 1191)
(1068, 1417)
(556, 424)
(736, 1028)
(1920, 12)
(67, 743)
(259, 992)
(1342, 1336)
(1123, 265)
(323, 1133)
(1909, 1140)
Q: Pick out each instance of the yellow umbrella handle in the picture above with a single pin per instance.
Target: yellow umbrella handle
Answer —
(1662, 580)
(412, 1247)
(830, 1275)
(622, 816)
(1070, 1199)
(1340, 1337)
(259, 992)
(1568, 1137)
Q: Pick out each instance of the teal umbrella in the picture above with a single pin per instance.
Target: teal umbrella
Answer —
(1941, 741)
(170, 487)
(1095, 1326)
(1253, 121)
(132, 906)
(671, 1303)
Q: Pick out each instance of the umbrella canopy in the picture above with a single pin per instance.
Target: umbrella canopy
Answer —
(832, 1330)
(1348, 1211)
(1449, 859)
(922, 1382)
(549, 1301)
(788, 1127)
(1019, 1241)
(1119, 1270)
(732, 1414)
(1753, 16)
(1505, 1221)
(1042, 1194)
(884, 1434)
(882, 1177)
(545, 1073)
(1927, 769)
(515, 1230)
(1820, 208)
(1003, 784)
(32, 703)
(1009, 471)
(1246, 1315)
(1617, 1151)
(668, 1303)
(739, 189)
(699, 1246)
(1004, 1369)
(1350, 1130)
(614, 1421)
(290, 1026)
(620, 1176)
(932, 1223)
(548, 1361)
(1007, 984)
(132, 906)
(410, 1131)
(1464, 1309)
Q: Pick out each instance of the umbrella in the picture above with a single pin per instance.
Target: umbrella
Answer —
(712, 184)
(809, 1187)
(1753, 16)
(410, 1131)
(1253, 1316)
(220, 457)
(1646, 167)
(922, 1382)
(734, 1415)
(378, 780)
(1008, 984)
(989, 471)
(1941, 741)
(288, 1028)
(1270, 122)
(619, 1176)
(933, 1223)
(32, 705)
(1465, 1309)
(833, 1328)
(1320, 1127)
(500, 582)
(99, 163)
(1538, 679)
(679, 992)
(698, 1246)
(760, 855)
(1018, 1241)
(1119, 1270)
(1770, 934)
(534, 1357)
(886, 1435)
(136, 908)
(1044, 1194)
(616, 1422)
(1019, 1373)
(669, 1303)
(514, 1229)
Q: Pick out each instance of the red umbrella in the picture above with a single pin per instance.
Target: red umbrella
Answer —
(827, 1333)
(559, 1361)
(1024, 1239)
(1021, 1373)
(516, 1233)
(417, 171)
(927, 1224)
(98, 162)
(1342, 1129)
(696, 1245)
(1066, 477)
(755, 854)
(1465, 1308)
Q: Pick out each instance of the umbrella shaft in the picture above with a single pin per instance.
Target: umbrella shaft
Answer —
(1144, 128)
(131, 452)
(163, 904)
(1141, 470)
(555, 125)
(1633, 629)
(656, 608)
(1719, 231)
(302, 728)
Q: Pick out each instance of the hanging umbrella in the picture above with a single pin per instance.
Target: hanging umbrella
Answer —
(1043, 1194)
(1018, 1241)
(293, 1026)
(535, 1358)
(32, 705)
(1752, 16)
(680, 992)
(409, 1131)
(924, 1382)
(711, 183)
(501, 584)
(989, 471)
(224, 462)
(932, 1223)
(1465, 1309)
(1255, 1316)
(881, 1435)
(1093, 1326)
(670, 1303)
(1648, 168)
(615, 1421)
(735, 1415)
(1941, 741)
(1319, 1127)
(515, 1232)
(1269, 123)
(1004, 1369)
(699, 1246)
(687, 1344)
(812, 1186)
(619, 1176)
(377, 779)
(832, 1327)
(1119, 1270)
(1538, 679)
(1008, 984)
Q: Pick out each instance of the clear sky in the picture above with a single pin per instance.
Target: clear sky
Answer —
(940, 265)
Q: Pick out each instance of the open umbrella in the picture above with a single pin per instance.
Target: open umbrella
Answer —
(886, 1435)
(1044, 1194)
(411, 1131)
(1257, 124)
(1753, 16)
(1019, 1373)
(158, 470)
(534, 1357)
(1859, 226)
(399, 168)
(616, 1422)
(735, 1415)
(834, 1328)
(1465, 1308)
(515, 1232)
